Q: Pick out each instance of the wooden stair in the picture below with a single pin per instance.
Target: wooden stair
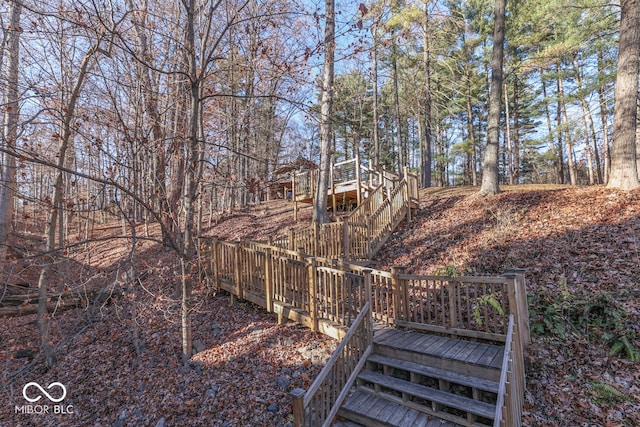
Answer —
(416, 379)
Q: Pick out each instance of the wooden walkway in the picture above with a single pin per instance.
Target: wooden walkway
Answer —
(424, 380)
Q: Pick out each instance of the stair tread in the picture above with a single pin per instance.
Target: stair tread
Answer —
(470, 352)
(454, 377)
(466, 404)
(361, 406)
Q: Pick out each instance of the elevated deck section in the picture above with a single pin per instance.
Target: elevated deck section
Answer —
(350, 184)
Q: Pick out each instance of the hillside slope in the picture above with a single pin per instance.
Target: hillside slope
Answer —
(581, 249)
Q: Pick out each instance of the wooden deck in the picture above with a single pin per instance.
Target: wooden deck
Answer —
(443, 350)
(424, 380)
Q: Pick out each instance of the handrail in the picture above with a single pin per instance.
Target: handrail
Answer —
(332, 385)
(504, 374)
(511, 386)
(464, 306)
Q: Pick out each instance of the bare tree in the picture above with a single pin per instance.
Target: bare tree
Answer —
(9, 126)
(624, 170)
(326, 129)
(490, 166)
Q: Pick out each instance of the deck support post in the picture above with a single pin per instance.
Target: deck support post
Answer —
(522, 305)
(400, 293)
(215, 258)
(298, 407)
(345, 238)
(292, 242)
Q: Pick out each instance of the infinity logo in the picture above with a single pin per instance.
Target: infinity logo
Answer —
(51, 398)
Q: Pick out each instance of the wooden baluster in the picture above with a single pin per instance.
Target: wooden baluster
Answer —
(313, 309)
(268, 279)
(453, 314)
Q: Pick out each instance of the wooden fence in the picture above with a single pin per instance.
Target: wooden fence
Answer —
(363, 232)
(319, 405)
(472, 306)
(340, 299)
(512, 379)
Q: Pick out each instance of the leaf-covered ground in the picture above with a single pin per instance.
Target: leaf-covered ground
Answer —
(580, 247)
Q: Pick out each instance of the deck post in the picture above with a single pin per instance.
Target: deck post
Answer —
(400, 293)
(407, 195)
(313, 290)
(345, 238)
(294, 199)
(298, 407)
(268, 280)
(358, 180)
(368, 298)
(453, 296)
(236, 272)
(390, 211)
(523, 305)
(514, 309)
(333, 190)
(292, 236)
(215, 258)
(316, 236)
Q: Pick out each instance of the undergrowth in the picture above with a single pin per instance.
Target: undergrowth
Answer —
(597, 317)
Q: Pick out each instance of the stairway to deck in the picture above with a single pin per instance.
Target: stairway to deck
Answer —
(417, 379)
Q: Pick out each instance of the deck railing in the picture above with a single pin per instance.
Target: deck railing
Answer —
(363, 232)
(512, 384)
(319, 405)
(319, 291)
(349, 174)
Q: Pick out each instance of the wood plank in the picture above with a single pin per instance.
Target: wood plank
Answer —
(409, 418)
(396, 340)
(477, 353)
(433, 347)
(489, 355)
(387, 337)
(438, 396)
(377, 410)
(379, 334)
(497, 360)
(452, 353)
(398, 415)
(424, 341)
(465, 352)
(356, 400)
(440, 363)
(441, 374)
(422, 420)
(442, 349)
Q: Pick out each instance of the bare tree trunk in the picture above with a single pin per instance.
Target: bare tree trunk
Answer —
(396, 103)
(425, 147)
(376, 117)
(508, 153)
(515, 157)
(584, 108)
(56, 200)
(326, 128)
(604, 112)
(624, 169)
(573, 173)
(490, 170)
(159, 162)
(8, 172)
